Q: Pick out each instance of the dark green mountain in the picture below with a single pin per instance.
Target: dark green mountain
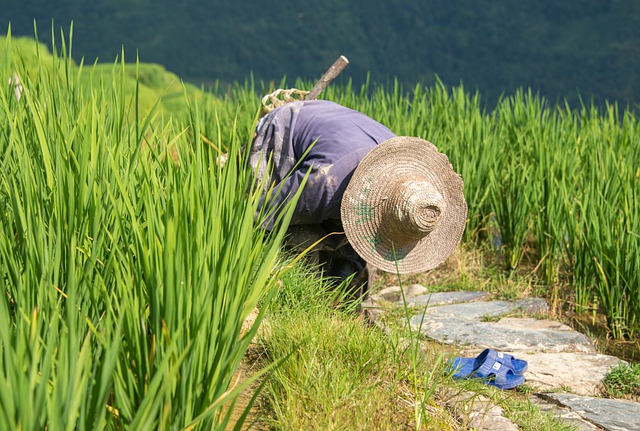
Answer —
(561, 49)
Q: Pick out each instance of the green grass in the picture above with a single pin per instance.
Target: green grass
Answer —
(338, 372)
(623, 381)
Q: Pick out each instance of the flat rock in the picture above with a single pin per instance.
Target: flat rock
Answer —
(611, 415)
(443, 298)
(487, 309)
(524, 323)
(461, 324)
(580, 373)
(493, 335)
(565, 414)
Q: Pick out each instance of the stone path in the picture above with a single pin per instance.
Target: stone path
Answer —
(565, 369)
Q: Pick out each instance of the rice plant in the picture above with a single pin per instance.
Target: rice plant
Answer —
(129, 258)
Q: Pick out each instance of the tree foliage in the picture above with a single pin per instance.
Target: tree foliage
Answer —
(564, 50)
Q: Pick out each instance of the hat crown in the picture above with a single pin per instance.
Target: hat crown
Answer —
(414, 209)
(403, 210)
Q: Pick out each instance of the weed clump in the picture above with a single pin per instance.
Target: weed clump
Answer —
(623, 381)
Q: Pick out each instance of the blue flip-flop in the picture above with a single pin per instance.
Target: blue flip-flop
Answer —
(463, 367)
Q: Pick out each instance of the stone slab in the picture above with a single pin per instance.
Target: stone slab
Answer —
(532, 336)
(487, 309)
(525, 323)
(444, 298)
(565, 414)
(611, 415)
(580, 373)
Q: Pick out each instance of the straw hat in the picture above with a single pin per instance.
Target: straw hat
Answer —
(404, 203)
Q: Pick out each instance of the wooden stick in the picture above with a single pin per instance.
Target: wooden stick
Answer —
(335, 69)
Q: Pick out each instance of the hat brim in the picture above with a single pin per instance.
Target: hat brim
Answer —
(402, 158)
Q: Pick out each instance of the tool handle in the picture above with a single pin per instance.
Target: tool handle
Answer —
(335, 69)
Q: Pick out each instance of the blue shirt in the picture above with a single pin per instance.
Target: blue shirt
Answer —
(337, 138)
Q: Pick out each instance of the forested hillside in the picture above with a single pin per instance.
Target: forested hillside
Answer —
(561, 49)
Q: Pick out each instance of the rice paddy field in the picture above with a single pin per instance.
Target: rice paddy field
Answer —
(129, 258)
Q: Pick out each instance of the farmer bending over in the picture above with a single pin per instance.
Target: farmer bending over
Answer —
(396, 201)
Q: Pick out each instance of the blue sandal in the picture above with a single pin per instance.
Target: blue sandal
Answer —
(496, 368)
(498, 375)
(465, 366)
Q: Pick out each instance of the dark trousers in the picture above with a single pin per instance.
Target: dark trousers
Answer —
(334, 256)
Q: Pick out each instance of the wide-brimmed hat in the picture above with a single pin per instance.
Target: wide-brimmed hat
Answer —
(403, 210)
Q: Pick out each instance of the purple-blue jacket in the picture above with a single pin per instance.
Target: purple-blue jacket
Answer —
(341, 137)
